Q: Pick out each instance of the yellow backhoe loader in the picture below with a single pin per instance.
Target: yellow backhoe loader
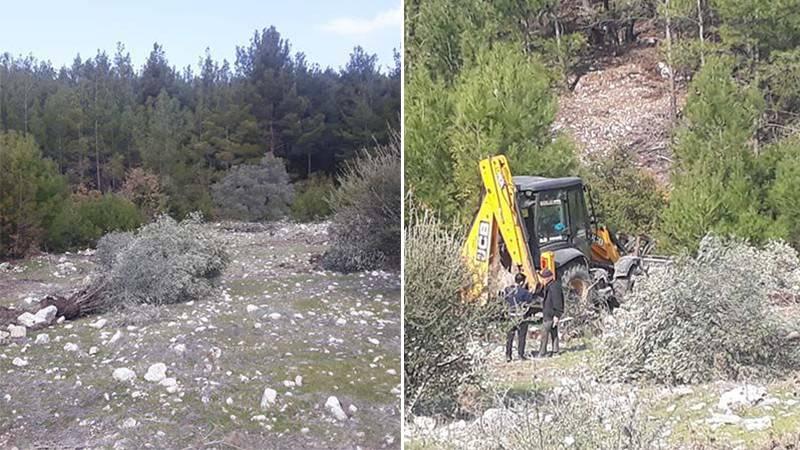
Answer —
(528, 223)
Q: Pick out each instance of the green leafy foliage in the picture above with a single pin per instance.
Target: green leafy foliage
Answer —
(163, 262)
(255, 192)
(716, 180)
(31, 192)
(312, 199)
(696, 321)
(365, 226)
(502, 104)
(428, 163)
(627, 198)
(438, 325)
(100, 117)
(87, 217)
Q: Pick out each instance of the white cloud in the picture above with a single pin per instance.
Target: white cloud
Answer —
(350, 25)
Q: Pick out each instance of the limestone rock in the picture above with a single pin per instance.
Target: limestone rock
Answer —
(156, 372)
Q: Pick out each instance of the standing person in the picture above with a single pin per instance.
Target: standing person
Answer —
(519, 300)
(552, 310)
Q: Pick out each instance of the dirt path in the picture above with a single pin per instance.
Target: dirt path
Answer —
(275, 319)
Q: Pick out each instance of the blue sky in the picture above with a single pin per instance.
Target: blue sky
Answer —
(326, 31)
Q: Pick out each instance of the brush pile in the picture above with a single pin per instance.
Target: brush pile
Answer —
(163, 262)
(708, 317)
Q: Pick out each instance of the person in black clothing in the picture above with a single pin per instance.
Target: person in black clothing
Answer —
(552, 309)
(519, 300)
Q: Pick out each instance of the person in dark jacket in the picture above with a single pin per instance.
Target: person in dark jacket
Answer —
(519, 300)
(552, 310)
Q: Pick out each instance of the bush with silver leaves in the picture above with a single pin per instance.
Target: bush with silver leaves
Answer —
(365, 227)
(163, 262)
(439, 326)
(580, 415)
(254, 192)
(111, 245)
(705, 318)
(167, 262)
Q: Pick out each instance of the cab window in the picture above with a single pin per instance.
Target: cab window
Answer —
(577, 210)
(552, 220)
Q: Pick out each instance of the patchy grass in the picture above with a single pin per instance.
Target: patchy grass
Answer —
(231, 356)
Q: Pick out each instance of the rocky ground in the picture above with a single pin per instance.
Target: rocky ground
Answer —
(284, 356)
(623, 102)
(721, 415)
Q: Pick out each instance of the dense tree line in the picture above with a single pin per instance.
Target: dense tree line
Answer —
(482, 78)
(158, 138)
(101, 116)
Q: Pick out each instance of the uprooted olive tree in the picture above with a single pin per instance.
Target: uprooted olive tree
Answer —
(163, 262)
(708, 317)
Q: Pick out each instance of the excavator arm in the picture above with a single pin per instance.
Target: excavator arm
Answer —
(498, 221)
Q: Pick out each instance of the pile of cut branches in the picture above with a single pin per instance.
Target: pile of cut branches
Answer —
(163, 262)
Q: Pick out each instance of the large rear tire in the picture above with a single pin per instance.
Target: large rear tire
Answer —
(575, 282)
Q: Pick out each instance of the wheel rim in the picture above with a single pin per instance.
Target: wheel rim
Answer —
(578, 289)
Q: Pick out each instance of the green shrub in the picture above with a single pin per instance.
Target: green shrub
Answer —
(164, 262)
(706, 318)
(85, 218)
(312, 199)
(252, 192)
(627, 199)
(439, 326)
(366, 226)
(31, 190)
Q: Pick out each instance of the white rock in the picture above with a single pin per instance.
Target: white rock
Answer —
(129, 423)
(425, 423)
(341, 322)
(251, 309)
(569, 440)
(288, 383)
(179, 348)
(92, 350)
(115, 337)
(42, 338)
(335, 408)
(124, 374)
(697, 406)
(17, 331)
(47, 314)
(228, 401)
(167, 382)
(496, 418)
(745, 395)
(274, 316)
(757, 423)
(27, 319)
(268, 398)
(374, 341)
(352, 409)
(4, 334)
(723, 419)
(298, 380)
(20, 362)
(156, 372)
(259, 418)
(70, 347)
(99, 323)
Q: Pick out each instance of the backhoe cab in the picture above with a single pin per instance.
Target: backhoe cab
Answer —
(527, 223)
